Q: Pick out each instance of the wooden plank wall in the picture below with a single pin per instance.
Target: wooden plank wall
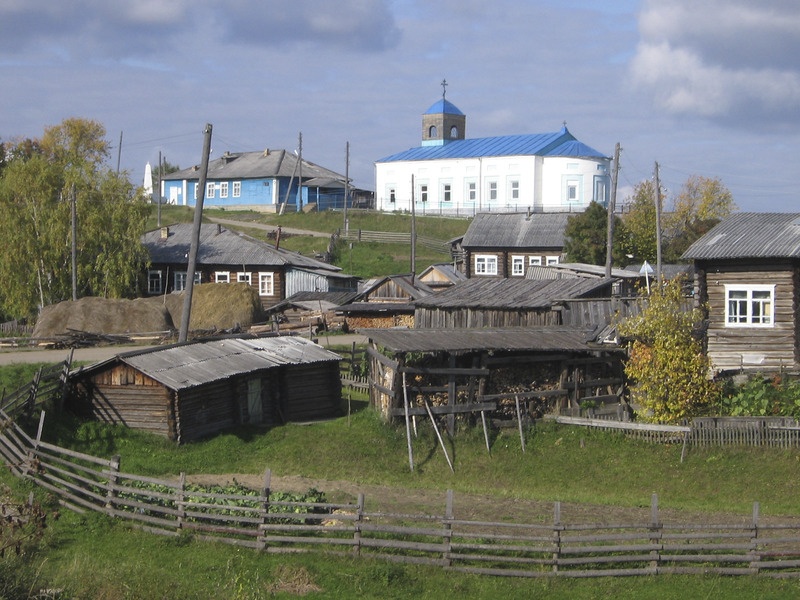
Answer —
(205, 410)
(475, 318)
(753, 348)
(311, 391)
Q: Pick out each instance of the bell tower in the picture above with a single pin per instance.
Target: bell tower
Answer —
(443, 122)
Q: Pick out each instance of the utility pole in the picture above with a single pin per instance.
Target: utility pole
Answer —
(119, 151)
(658, 227)
(157, 194)
(413, 233)
(300, 172)
(612, 203)
(198, 218)
(74, 226)
(346, 185)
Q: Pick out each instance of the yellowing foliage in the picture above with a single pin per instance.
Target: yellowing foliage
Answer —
(666, 363)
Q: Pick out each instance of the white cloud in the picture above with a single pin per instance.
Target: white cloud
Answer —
(730, 60)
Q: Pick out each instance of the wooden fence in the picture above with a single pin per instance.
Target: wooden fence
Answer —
(772, 432)
(547, 546)
(388, 237)
(351, 369)
(48, 384)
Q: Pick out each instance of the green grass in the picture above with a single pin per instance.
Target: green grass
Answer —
(90, 556)
(560, 463)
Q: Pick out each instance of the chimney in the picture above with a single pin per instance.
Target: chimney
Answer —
(278, 238)
(164, 233)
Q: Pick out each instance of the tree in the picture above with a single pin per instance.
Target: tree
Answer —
(640, 223)
(702, 203)
(666, 361)
(36, 189)
(586, 234)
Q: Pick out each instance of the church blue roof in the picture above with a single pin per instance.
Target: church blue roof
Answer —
(560, 143)
(443, 107)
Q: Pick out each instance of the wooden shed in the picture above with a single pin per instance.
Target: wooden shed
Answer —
(188, 391)
(477, 303)
(493, 372)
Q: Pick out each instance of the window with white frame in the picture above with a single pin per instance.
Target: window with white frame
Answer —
(517, 266)
(423, 192)
(223, 189)
(485, 264)
(749, 305)
(446, 192)
(155, 284)
(552, 260)
(492, 190)
(196, 185)
(472, 191)
(266, 284)
(572, 191)
(514, 189)
(237, 189)
(392, 195)
(534, 261)
(243, 277)
(210, 190)
(222, 277)
(180, 280)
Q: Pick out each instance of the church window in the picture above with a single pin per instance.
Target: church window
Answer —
(423, 192)
(453, 132)
(432, 131)
(492, 190)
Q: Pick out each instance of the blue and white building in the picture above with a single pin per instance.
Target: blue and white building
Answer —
(542, 172)
(260, 181)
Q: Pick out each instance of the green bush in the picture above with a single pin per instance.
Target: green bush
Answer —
(761, 396)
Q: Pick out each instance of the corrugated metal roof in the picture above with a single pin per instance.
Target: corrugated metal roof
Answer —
(547, 339)
(184, 366)
(511, 293)
(559, 143)
(221, 246)
(516, 230)
(254, 165)
(750, 235)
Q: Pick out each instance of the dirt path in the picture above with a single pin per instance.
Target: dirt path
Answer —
(379, 498)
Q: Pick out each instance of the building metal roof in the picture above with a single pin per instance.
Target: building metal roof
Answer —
(750, 235)
(409, 284)
(492, 293)
(546, 339)
(446, 270)
(183, 366)
(516, 230)
(559, 143)
(443, 106)
(256, 165)
(587, 270)
(221, 246)
(314, 301)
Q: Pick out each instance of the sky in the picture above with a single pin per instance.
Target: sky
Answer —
(707, 88)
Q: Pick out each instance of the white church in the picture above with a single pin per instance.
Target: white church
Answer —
(450, 174)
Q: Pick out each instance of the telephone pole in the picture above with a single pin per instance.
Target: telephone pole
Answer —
(658, 226)
(612, 203)
(346, 184)
(198, 219)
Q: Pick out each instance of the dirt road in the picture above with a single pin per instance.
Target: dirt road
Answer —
(10, 356)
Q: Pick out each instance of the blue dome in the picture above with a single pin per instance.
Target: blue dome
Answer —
(443, 107)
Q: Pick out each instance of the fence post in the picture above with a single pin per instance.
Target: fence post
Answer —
(265, 494)
(557, 528)
(448, 529)
(111, 491)
(357, 525)
(655, 533)
(755, 557)
(64, 378)
(181, 501)
(33, 392)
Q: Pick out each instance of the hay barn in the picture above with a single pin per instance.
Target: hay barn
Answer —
(189, 391)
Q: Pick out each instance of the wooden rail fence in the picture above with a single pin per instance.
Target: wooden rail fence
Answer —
(547, 546)
(388, 237)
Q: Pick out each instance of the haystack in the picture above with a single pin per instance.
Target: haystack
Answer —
(102, 315)
(215, 306)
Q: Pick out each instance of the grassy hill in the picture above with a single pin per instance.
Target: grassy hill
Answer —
(363, 259)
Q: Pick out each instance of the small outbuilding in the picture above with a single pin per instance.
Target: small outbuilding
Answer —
(188, 391)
